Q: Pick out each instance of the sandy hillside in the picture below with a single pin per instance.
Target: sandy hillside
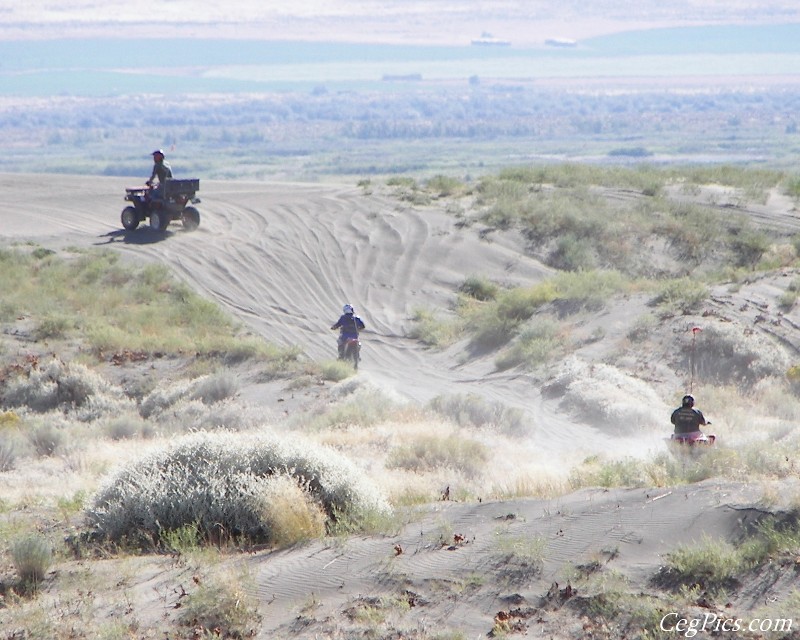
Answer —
(283, 258)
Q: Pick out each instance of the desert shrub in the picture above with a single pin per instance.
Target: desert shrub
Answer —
(124, 427)
(496, 323)
(479, 288)
(642, 327)
(52, 326)
(71, 387)
(683, 295)
(520, 558)
(471, 410)
(787, 301)
(606, 397)
(687, 229)
(8, 453)
(215, 388)
(221, 606)
(218, 480)
(590, 289)
(46, 438)
(536, 345)
(444, 185)
(599, 472)
(572, 253)
(793, 376)
(336, 370)
(730, 354)
(748, 247)
(711, 564)
(32, 556)
(433, 331)
(165, 396)
(427, 453)
(360, 406)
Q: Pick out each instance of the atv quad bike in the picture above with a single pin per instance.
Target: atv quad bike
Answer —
(162, 206)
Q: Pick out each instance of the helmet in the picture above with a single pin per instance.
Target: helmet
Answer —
(157, 151)
(348, 308)
(688, 401)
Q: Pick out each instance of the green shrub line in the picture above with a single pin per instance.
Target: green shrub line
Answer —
(120, 307)
(715, 565)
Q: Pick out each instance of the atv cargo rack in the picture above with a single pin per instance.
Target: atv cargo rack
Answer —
(181, 188)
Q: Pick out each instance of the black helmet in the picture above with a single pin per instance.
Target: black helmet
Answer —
(157, 151)
(688, 401)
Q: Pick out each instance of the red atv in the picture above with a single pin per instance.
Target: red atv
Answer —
(693, 439)
(163, 205)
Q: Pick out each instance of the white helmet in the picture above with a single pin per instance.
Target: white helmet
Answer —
(348, 308)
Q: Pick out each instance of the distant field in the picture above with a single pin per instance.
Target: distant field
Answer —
(102, 67)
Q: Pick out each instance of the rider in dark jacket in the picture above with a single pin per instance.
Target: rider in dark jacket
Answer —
(161, 170)
(686, 418)
(349, 324)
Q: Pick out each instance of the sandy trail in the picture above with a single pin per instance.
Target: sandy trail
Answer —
(285, 257)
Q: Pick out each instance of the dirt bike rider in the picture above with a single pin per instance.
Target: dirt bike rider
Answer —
(349, 324)
(162, 171)
(687, 419)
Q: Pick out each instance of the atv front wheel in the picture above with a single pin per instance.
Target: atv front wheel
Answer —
(190, 218)
(130, 219)
(159, 220)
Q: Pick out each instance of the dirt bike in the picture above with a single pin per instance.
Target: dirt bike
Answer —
(162, 206)
(352, 351)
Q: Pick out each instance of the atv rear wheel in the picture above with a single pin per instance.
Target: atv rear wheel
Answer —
(130, 219)
(190, 218)
(159, 220)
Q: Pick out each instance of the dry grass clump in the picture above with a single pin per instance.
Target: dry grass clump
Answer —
(221, 607)
(32, 555)
(217, 482)
(427, 453)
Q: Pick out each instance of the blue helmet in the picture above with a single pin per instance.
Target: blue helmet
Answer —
(348, 308)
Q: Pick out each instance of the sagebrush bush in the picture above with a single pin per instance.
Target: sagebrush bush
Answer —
(216, 388)
(728, 353)
(32, 556)
(70, 387)
(46, 438)
(471, 410)
(218, 481)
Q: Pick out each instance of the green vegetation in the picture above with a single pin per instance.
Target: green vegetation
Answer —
(113, 306)
(32, 556)
(715, 565)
